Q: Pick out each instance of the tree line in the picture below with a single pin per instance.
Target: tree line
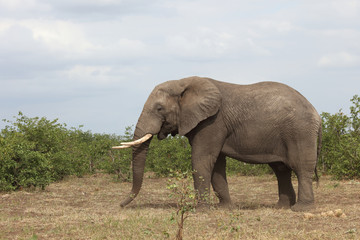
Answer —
(36, 151)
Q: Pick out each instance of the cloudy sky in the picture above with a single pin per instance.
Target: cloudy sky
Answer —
(94, 62)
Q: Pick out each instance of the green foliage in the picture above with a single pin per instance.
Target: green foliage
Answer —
(118, 162)
(340, 155)
(20, 165)
(234, 166)
(27, 150)
(172, 153)
(35, 152)
(181, 186)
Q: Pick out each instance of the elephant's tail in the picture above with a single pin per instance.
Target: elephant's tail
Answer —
(318, 153)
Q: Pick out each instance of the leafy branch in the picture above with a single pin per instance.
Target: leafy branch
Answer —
(181, 187)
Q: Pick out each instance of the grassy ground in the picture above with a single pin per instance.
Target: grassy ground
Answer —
(88, 208)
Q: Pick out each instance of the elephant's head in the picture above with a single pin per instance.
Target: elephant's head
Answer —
(172, 107)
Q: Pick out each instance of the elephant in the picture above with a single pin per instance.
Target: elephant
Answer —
(262, 123)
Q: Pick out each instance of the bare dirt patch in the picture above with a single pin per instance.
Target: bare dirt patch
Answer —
(89, 208)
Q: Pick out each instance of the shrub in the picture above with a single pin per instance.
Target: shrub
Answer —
(25, 162)
(115, 161)
(234, 166)
(172, 153)
(340, 155)
(37, 151)
(182, 189)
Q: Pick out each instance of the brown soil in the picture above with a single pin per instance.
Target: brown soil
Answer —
(89, 208)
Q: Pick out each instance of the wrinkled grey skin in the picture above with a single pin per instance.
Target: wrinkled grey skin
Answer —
(266, 122)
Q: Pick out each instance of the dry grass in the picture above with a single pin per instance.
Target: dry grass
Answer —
(88, 208)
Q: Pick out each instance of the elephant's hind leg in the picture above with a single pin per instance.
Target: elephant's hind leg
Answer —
(287, 196)
(303, 158)
(219, 182)
(305, 192)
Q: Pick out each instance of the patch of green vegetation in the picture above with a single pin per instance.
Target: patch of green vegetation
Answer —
(340, 155)
(36, 151)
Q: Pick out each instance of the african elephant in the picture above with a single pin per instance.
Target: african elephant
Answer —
(263, 123)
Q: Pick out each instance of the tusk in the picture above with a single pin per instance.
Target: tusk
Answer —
(139, 141)
(133, 143)
(120, 147)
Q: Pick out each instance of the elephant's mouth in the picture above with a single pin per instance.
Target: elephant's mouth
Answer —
(167, 129)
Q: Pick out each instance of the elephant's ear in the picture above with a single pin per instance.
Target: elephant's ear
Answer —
(199, 100)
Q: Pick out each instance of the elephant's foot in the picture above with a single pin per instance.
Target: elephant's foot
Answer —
(282, 205)
(226, 205)
(303, 207)
(203, 207)
(285, 202)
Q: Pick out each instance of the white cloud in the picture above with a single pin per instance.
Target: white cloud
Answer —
(21, 56)
(207, 43)
(346, 8)
(23, 9)
(60, 36)
(257, 49)
(88, 73)
(125, 48)
(87, 48)
(340, 59)
(273, 25)
(55, 36)
(5, 25)
(203, 43)
(22, 5)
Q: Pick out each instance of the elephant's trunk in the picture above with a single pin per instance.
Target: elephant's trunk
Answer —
(148, 124)
(138, 165)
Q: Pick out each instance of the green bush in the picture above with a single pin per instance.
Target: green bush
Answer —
(234, 166)
(340, 155)
(116, 162)
(172, 153)
(25, 150)
(36, 151)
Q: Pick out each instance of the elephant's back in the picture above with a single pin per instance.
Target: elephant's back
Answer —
(269, 95)
(266, 103)
(282, 97)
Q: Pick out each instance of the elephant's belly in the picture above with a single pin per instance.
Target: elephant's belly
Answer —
(252, 156)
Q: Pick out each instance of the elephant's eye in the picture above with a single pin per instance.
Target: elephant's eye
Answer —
(159, 108)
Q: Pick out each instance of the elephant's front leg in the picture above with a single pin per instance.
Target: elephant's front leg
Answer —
(206, 141)
(202, 170)
(219, 182)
